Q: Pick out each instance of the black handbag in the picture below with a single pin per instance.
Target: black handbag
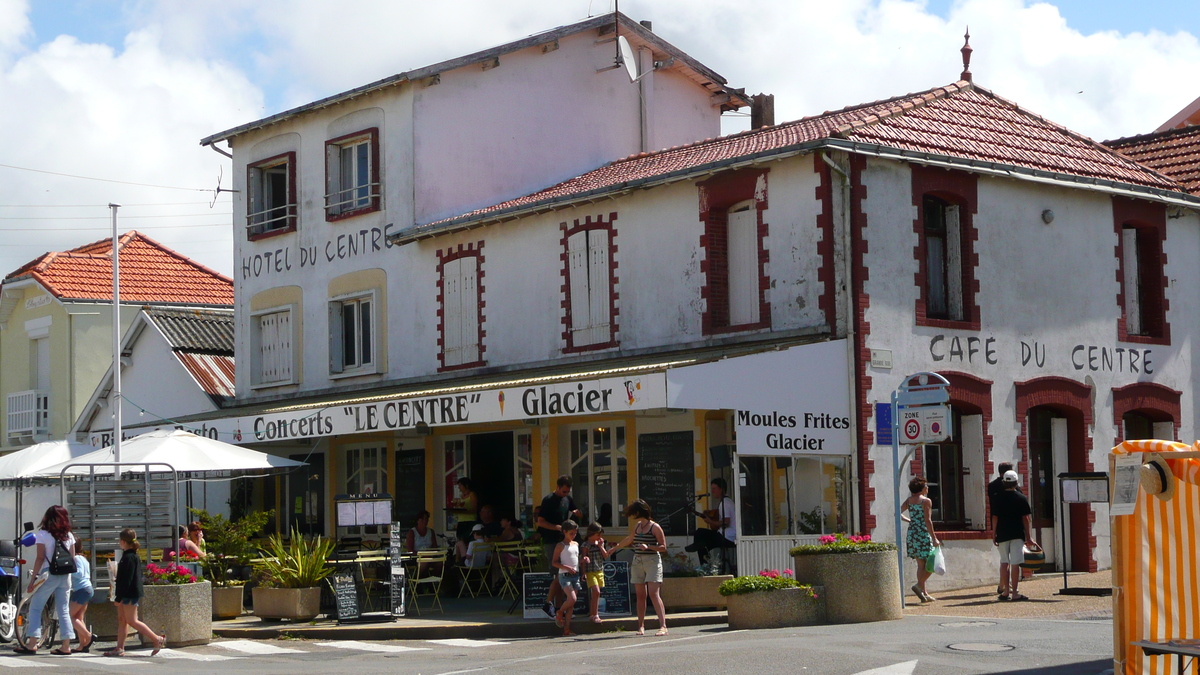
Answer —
(62, 562)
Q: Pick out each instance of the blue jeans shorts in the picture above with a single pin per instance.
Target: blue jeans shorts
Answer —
(82, 596)
(127, 601)
(571, 580)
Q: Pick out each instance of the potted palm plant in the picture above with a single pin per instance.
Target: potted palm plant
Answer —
(289, 576)
(860, 577)
(229, 550)
(772, 599)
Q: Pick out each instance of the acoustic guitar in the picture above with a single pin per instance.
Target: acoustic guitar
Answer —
(709, 516)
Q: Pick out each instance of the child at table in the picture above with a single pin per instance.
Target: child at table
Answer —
(594, 554)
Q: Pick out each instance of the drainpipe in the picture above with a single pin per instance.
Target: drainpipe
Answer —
(848, 299)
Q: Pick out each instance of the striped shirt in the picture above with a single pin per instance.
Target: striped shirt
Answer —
(646, 538)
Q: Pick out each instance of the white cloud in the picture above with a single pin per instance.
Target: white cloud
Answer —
(191, 69)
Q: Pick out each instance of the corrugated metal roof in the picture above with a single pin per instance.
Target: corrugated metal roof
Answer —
(214, 373)
(195, 330)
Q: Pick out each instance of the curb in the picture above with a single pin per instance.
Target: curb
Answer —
(397, 631)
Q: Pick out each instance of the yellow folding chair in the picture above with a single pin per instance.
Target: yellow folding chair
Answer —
(429, 571)
(474, 571)
(508, 557)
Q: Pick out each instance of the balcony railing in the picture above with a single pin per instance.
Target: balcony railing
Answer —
(28, 413)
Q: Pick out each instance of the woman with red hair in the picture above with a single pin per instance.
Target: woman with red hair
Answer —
(55, 559)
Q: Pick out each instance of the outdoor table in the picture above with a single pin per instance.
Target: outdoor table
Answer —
(1184, 650)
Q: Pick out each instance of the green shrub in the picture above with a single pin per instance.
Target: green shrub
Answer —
(296, 563)
(756, 584)
(842, 547)
(227, 544)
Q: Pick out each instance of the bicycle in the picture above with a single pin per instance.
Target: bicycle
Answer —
(49, 616)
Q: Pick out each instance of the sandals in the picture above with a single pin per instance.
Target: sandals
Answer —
(596, 619)
(59, 652)
(84, 649)
(1003, 597)
(1018, 598)
(159, 644)
(661, 632)
(114, 652)
(24, 650)
(640, 631)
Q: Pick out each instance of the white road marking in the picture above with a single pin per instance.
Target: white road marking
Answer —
(464, 642)
(89, 660)
(905, 668)
(192, 656)
(23, 663)
(256, 648)
(370, 646)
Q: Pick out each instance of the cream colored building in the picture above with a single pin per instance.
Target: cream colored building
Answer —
(56, 326)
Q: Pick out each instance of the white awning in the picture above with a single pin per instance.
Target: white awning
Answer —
(28, 462)
(183, 451)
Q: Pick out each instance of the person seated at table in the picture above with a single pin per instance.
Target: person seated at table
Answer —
(491, 527)
(510, 529)
(467, 559)
(420, 537)
(185, 547)
(196, 534)
(721, 521)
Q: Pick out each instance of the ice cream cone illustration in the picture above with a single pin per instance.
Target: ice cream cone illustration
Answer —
(501, 397)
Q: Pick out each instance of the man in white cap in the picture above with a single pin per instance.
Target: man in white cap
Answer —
(1011, 526)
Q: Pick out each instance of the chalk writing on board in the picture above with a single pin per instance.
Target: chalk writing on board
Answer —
(666, 477)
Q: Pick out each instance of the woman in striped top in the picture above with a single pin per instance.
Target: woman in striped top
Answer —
(647, 541)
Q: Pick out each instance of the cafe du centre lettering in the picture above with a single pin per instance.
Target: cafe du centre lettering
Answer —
(559, 399)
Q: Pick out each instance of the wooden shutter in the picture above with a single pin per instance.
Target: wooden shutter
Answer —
(954, 264)
(743, 265)
(598, 285)
(577, 264)
(332, 178)
(452, 312)
(1133, 299)
(254, 200)
(337, 356)
(469, 297)
(283, 342)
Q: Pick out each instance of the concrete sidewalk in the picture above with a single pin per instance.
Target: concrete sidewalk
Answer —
(1043, 603)
(464, 618)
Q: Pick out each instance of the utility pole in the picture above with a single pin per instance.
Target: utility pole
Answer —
(116, 341)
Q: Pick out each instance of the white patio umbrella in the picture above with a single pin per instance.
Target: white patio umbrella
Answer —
(185, 452)
(28, 462)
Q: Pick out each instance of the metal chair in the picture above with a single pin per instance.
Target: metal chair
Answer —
(475, 569)
(508, 557)
(429, 571)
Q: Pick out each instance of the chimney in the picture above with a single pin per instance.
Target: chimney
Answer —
(762, 111)
(648, 25)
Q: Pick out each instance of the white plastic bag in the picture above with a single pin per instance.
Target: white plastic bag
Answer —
(939, 561)
(112, 580)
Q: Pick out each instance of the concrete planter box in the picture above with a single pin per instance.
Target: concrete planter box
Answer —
(297, 604)
(776, 609)
(686, 593)
(227, 601)
(859, 587)
(182, 611)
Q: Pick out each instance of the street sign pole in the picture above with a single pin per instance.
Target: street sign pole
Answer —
(931, 389)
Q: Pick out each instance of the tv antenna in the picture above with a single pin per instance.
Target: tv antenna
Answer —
(219, 190)
(624, 52)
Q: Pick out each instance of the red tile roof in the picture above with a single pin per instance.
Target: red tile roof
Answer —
(150, 273)
(961, 121)
(1175, 152)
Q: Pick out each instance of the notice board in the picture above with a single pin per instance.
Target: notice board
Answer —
(410, 487)
(616, 598)
(345, 593)
(665, 477)
(399, 581)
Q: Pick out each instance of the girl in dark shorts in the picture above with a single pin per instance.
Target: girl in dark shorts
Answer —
(127, 593)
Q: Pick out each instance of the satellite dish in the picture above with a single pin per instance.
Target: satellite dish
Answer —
(627, 58)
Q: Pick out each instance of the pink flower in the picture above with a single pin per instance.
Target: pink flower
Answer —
(788, 572)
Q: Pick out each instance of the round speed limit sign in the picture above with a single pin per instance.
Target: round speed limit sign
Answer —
(912, 429)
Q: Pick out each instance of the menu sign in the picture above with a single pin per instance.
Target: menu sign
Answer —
(398, 576)
(345, 593)
(666, 477)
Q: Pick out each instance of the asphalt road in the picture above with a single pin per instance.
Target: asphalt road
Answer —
(922, 645)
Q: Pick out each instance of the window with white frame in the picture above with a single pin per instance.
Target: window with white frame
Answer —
(460, 311)
(351, 175)
(271, 188)
(272, 334)
(366, 474)
(743, 270)
(599, 472)
(943, 260)
(590, 284)
(352, 334)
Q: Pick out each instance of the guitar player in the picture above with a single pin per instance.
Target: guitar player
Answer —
(721, 521)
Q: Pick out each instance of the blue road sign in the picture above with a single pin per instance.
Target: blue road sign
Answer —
(883, 424)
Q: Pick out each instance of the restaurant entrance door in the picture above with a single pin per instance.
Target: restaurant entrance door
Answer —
(492, 470)
(306, 495)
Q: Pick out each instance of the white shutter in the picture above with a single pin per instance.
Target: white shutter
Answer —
(1164, 431)
(974, 479)
(266, 346)
(43, 364)
(598, 286)
(254, 203)
(470, 309)
(332, 178)
(452, 312)
(1133, 299)
(742, 233)
(954, 264)
(337, 356)
(284, 348)
(577, 264)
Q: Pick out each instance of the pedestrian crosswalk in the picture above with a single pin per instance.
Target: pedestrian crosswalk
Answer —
(231, 650)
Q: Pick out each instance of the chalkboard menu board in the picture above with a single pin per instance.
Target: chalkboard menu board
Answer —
(410, 487)
(616, 598)
(345, 593)
(666, 477)
(398, 579)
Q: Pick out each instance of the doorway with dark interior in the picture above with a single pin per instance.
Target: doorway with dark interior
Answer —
(1056, 445)
(492, 470)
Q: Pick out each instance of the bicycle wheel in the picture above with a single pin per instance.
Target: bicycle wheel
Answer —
(49, 624)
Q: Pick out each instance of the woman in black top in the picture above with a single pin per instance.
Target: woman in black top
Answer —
(127, 593)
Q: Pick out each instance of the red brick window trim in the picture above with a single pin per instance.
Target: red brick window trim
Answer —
(946, 203)
(1158, 402)
(271, 196)
(589, 288)
(739, 198)
(460, 307)
(1141, 228)
(352, 185)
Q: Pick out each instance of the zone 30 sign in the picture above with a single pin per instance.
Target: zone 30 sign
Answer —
(924, 425)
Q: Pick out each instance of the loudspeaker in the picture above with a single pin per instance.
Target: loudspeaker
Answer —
(722, 455)
(783, 462)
